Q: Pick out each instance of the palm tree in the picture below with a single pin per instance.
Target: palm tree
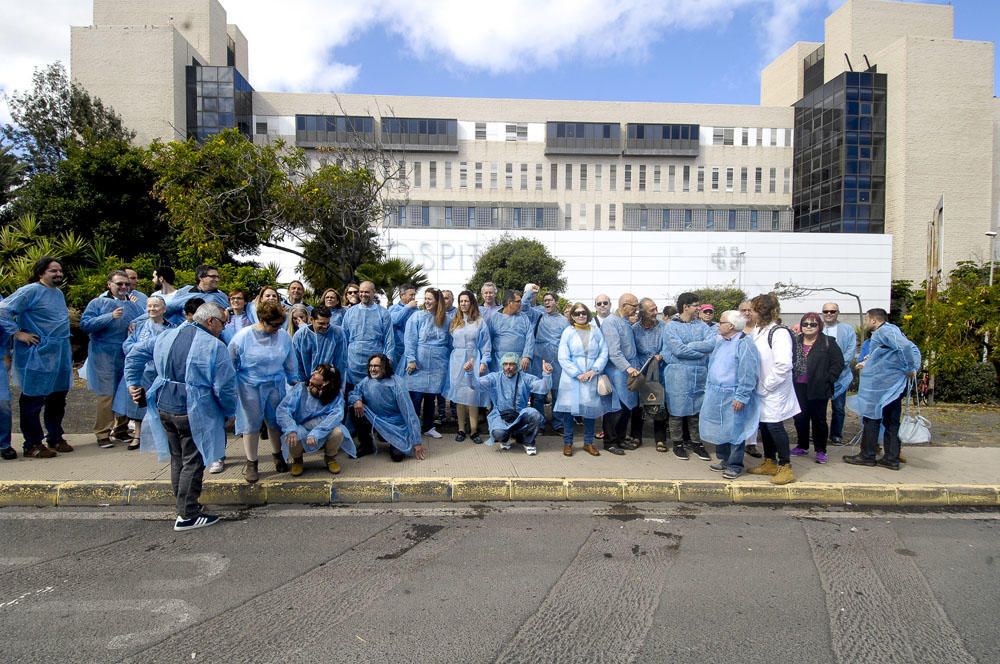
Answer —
(390, 274)
(21, 244)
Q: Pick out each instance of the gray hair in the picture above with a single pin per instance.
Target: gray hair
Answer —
(157, 297)
(207, 312)
(728, 315)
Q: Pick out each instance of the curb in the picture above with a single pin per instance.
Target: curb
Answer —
(467, 490)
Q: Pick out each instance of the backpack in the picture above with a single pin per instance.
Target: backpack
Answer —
(770, 334)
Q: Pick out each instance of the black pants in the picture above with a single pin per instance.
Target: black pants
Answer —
(775, 440)
(682, 425)
(890, 420)
(426, 411)
(362, 434)
(30, 410)
(661, 433)
(812, 415)
(615, 425)
(187, 468)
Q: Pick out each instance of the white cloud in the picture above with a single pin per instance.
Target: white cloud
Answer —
(781, 25)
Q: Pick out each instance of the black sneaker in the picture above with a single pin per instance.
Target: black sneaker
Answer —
(680, 452)
(837, 442)
(614, 449)
(699, 451)
(884, 463)
(396, 455)
(476, 439)
(200, 521)
(460, 436)
(8, 453)
(858, 460)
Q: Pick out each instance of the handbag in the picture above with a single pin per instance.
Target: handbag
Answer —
(651, 395)
(914, 429)
(604, 386)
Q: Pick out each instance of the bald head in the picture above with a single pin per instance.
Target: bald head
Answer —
(628, 304)
(366, 291)
(602, 305)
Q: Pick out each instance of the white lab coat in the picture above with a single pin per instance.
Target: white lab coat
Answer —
(774, 383)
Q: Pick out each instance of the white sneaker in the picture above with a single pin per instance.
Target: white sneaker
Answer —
(530, 450)
(432, 433)
(217, 466)
(505, 446)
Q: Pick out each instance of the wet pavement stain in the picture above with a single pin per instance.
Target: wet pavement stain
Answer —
(623, 513)
(419, 532)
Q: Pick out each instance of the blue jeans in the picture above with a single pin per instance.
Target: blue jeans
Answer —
(731, 455)
(524, 429)
(837, 416)
(31, 408)
(6, 424)
(589, 424)
(538, 403)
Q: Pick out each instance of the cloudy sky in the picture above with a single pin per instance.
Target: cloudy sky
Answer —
(707, 51)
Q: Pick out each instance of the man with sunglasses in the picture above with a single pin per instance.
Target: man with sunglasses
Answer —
(847, 340)
(602, 308)
(106, 320)
(367, 331)
(623, 362)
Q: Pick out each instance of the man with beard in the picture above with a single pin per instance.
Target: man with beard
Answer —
(311, 417)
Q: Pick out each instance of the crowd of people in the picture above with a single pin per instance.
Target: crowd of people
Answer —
(171, 370)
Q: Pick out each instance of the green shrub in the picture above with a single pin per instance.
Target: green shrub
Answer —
(977, 384)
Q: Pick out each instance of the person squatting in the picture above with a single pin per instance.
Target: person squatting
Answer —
(173, 370)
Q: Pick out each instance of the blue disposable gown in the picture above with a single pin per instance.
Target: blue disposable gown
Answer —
(5, 379)
(211, 391)
(337, 316)
(312, 349)
(105, 358)
(891, 357)
(264, 363)
(622, 355)
(847, 341)
(304, 414)
(47, 366)
(429, 346)
(499, 389)
(485, 311)
(390, 410)
(688, 346)
(235, 323)
(368, 330)
(142, 329)
(469, 342)
(175, 305)
(510, 334)
(575, 397)
(548, 329)
(649, 342)
(399, 314)
(732, 376)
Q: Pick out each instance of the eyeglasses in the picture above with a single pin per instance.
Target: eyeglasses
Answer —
(831, 311)
(374, 366)
(603, 304)
(212, 276)
(120, 283)
(579, 313)
(352, 292)
(810, 324)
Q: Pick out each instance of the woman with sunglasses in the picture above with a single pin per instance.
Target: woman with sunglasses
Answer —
(332, 300)
(265, 363)
(352, 295)
(818, 362)
(583, 355)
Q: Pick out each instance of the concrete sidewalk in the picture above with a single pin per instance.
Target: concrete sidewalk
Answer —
(460, 472)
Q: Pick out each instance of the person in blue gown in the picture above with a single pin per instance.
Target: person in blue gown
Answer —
(511, 331)
(548, 325)
(847, 341)
(730, 410)
(650, 346)
(583, 356)
(512, 418)
(380, 401)
(367, 330)
(689, 342)
(147, 326)
(35, 316)
(320, 342)
(623, 362)
(399, 314)
(106, 320)
(207, 289)
(311, 418)
(265, 364)
(471, 350)
(427, 347)
(332, 300)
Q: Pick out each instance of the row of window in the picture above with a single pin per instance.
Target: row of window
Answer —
(743, 136)
(634, 218)
(670, 178)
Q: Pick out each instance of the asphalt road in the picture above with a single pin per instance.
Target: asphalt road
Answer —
(501, 583)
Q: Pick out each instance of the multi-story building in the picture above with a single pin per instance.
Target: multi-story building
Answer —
(856, 137)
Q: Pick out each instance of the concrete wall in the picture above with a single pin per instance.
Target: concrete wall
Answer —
(201, 22)
(242, 50)
(781, 82)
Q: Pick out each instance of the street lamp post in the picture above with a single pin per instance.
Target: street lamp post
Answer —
(992, 235)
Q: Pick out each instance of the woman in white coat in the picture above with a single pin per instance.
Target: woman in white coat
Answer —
(775, 387)
(583, 354)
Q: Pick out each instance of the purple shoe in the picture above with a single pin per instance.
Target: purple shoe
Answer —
(821, 457)
(799, 451)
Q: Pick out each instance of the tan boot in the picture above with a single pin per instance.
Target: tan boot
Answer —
(250, 472)
(769, 467)
(331, 464)
(784, 475)
(297, 466)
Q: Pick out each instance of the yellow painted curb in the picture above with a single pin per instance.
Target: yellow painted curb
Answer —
(929, 495)
(600, 490)
(651, 491)
(151, 492)
(869, 494)
(29, 494)
(233, 492)
(93, 494)
(421, 491)
(361, 491)
(815, 493)
(297, 491)
(759, 492)
(487, 489)
(972, 494)
(703, 491)
(537, 489)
